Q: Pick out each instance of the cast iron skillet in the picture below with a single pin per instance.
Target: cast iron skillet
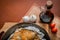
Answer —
(22, 25)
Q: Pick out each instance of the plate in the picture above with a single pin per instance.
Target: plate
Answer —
(30, 26)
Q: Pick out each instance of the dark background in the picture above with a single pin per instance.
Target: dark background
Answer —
(13, 10)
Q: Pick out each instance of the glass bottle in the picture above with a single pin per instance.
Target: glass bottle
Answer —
(46, 16)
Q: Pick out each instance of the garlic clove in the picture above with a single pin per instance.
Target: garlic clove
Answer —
(33, 18)
(26, 19)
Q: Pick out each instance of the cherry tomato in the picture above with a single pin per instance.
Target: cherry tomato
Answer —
(54, 30)
(52, 25)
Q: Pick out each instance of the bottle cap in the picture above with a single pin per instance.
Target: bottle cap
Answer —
(49, 4)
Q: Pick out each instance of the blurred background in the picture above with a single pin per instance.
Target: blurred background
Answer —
(14, 10)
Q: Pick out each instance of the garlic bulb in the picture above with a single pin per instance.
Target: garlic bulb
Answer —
(33, 18)
(26, 19)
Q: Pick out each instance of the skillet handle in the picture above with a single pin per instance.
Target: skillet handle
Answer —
(1, 34)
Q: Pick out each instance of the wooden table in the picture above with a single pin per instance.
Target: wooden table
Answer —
(36, 10)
